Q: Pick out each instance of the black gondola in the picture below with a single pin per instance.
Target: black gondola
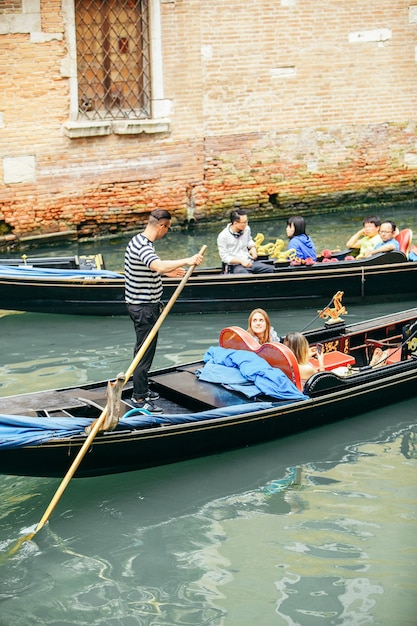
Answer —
(41, 433)
(80, 285)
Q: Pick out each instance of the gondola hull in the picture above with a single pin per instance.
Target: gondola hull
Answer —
(381, 278)
(237, 423)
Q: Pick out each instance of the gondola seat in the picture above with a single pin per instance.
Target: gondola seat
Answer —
(393, 350)
(323, 382)
(276, 354)
(404, 238)
(333, 360)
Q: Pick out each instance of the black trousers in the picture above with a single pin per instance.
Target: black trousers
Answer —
(144, 317)
(257, 268)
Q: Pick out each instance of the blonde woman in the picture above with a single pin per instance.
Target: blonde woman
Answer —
(259, 326)
(302, 351)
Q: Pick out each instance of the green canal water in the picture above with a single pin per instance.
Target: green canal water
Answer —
(317, 529)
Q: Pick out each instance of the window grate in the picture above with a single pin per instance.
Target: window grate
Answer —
(113, 59)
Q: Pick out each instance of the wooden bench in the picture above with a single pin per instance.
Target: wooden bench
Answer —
(183, 386)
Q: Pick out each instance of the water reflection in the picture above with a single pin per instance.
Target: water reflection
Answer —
(317, 528)
(409, 445)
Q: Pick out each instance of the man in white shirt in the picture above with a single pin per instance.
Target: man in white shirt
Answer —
(237, 249)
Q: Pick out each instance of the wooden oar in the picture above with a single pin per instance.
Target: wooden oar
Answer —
(100, 420)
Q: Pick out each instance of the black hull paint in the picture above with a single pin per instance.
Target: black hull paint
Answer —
(119, 451)
(375, 279)
(112, 453)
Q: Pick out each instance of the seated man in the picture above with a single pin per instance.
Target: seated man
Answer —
(367, 237)
(387, 232)
(237, 248)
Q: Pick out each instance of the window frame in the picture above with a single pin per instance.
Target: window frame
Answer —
(158, 122)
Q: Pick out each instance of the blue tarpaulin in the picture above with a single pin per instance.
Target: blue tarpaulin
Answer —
(18, 430)
(25, 271)
(238, 368)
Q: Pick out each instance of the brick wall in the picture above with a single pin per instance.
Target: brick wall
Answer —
(10, 6)
(274, 104)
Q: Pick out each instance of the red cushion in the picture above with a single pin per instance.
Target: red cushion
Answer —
(334, 359)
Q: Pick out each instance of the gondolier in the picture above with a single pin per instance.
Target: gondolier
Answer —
(143, 293)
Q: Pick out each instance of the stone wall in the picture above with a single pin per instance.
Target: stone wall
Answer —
(272, 105)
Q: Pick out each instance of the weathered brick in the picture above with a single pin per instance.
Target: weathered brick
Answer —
(268, 101)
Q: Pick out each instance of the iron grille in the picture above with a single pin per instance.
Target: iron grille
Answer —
(113, 59)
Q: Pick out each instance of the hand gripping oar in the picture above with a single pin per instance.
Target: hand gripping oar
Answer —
(98, 423)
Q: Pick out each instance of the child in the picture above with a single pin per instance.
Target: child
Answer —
(367, 237)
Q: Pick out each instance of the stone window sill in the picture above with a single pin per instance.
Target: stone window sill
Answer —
(96, 128)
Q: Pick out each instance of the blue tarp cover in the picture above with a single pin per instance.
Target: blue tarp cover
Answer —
(238, 369)
(17, 431)
(247, 372)
(25, 271)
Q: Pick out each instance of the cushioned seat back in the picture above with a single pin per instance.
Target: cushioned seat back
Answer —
(404, 238)
(236, 338)
(276, 354)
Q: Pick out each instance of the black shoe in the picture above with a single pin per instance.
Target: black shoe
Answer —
(146, 404)
(151, 395)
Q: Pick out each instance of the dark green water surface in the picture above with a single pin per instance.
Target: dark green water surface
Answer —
(317, 529)
(331, 230)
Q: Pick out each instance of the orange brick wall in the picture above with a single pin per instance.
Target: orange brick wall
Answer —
(273, 104)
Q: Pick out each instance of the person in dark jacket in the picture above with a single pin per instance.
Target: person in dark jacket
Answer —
(298, 239)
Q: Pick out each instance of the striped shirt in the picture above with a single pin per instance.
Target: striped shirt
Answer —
(142, 285)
